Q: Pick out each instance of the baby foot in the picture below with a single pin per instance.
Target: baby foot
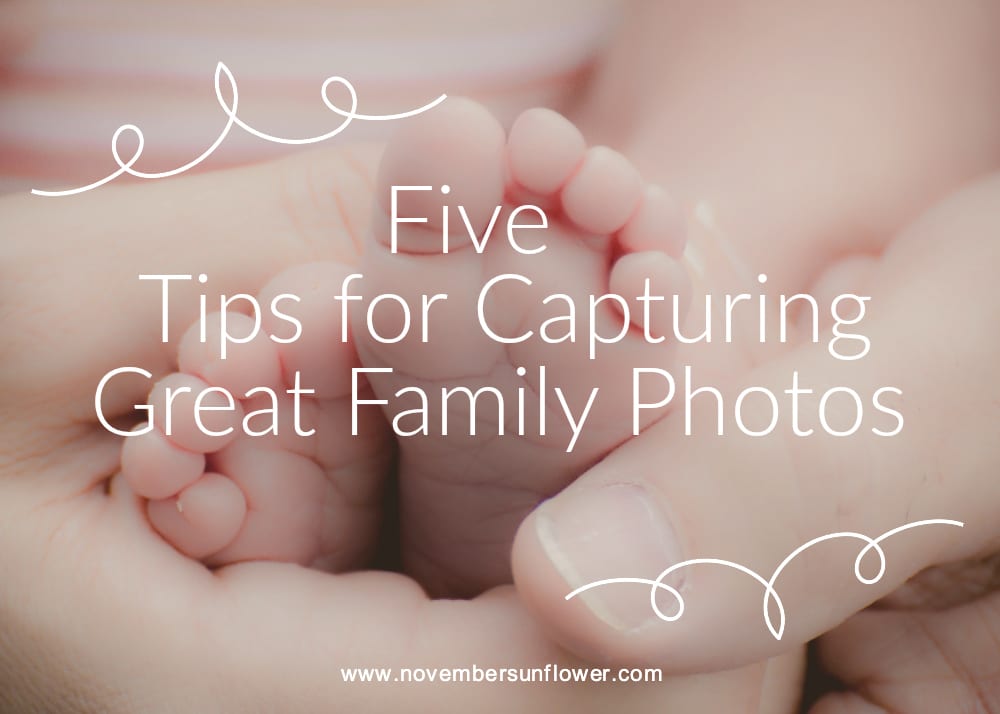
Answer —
(246, 483)
(463, 496)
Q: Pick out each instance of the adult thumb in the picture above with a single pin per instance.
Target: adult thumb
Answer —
(767, 542)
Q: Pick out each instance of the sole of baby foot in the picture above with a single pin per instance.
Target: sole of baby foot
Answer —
(554, 374)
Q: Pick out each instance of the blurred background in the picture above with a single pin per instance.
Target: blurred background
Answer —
(74, 71)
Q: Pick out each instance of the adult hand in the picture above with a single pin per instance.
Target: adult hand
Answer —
(931, 647)
(97, 613)
(664, 498)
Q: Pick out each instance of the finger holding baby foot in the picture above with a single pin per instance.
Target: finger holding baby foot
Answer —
(508, 290)
(659, 553)
(255, 458)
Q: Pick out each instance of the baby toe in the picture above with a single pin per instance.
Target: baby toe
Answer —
(604, 193)
(544, 149)
(322, 354)
(155, 467)
(657, 224)
(251, 358)
(203, 519)
(652, 273)
(193, 414)
(286, 496)
(452, 156)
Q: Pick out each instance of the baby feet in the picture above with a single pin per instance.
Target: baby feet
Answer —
(241, 480)
(244, 484)
(463, 495)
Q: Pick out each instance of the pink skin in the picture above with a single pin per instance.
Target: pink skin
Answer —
(232, 498)
(463, 497)
(226, 499)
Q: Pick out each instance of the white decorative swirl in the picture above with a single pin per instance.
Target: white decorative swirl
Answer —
(769, 592)
(349, 115)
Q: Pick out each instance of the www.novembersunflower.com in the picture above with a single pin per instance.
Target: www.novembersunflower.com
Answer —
(512, 675)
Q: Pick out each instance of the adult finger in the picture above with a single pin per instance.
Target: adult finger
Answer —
(914, 660)
(153, 631)
(666, 498)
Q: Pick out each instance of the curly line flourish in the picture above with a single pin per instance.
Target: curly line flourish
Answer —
(770, 594)
(221, 70)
